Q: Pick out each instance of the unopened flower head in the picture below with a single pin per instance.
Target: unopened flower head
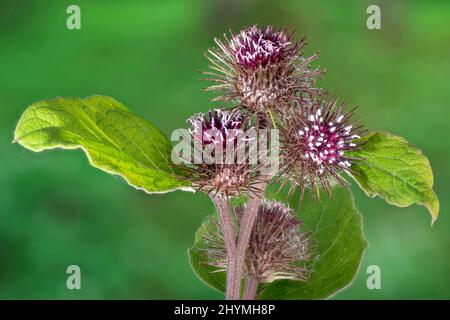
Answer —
(316, 143)
(261, 69)
(223, 133)
(278, 248)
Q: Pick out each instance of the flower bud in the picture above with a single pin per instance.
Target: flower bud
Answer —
(278, 247)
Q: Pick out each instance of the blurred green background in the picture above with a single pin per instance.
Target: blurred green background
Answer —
(55, 210)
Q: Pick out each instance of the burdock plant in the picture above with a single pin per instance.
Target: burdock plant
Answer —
(273, 128)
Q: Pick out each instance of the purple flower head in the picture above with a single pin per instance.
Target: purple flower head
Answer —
(316, 142)
(324, 140)
(216, 127)
(255, 47)
(261, 70)
(219, 137)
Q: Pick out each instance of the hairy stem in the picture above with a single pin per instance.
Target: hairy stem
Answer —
(251, 285)
(226, 224)
(245, 229)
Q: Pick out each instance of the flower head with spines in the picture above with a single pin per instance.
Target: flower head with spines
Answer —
(262, 70)
(218, 129)
(316, 142)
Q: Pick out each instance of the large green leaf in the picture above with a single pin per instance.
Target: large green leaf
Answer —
(336, 228)
(396, 171)
(114, 139)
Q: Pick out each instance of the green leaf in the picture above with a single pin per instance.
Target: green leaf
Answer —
(336, 228)
(114, 139)
(396, 171)
(197, 260)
